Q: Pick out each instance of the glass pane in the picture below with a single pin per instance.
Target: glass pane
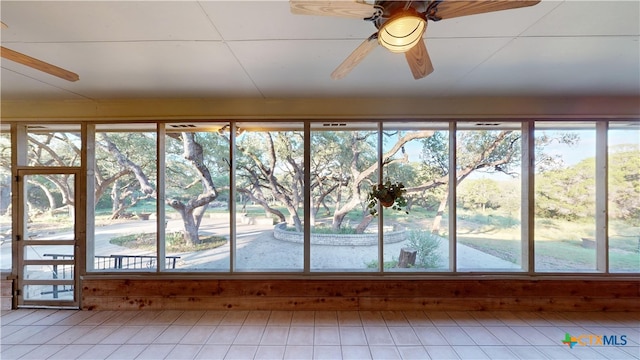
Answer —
(50, 206)
(565, 197)
(270, 191)
(125, 193)
(47, 147)
(6, 234)
(624, 196)
(418, 157)
(197, 191)
(488, 198)
(48, 292)
(344, 166)
(48, 252)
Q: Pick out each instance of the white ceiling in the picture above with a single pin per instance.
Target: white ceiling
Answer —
(258, 49)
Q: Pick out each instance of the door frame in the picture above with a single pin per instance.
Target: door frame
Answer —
(21, 242)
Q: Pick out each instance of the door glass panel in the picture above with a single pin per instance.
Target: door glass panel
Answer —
(52, 281)
(49, 207)
(54, 145)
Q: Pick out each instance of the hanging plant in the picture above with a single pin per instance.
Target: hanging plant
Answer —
(388, 195)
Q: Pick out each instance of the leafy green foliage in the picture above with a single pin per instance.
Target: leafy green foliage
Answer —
(389, 195)
(426, 244)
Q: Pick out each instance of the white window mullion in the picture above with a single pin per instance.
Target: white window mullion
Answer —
(160, 211)
(453, 182)
(602, 233)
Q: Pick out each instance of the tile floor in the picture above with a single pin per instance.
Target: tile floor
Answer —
(69, 334)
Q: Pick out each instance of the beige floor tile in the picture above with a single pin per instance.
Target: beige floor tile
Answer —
(224, 334)
(269, 352)
(257, 318)
(99, 352)
(556, 352)
(404, 336)
(121, 335)
(528, 352)
(533, 336)
(198, 334)
(172, 334)
(355, 352)
(212, 352)
(234, 318)
(384, 352)
(126, 352)
(481, 336)
(441, 352)
(147, 334)
(298, 352)
(470, 352)
(54, 318)
(70, 335)
(455, 335)
(142, 317)
(326, 335)
(15, 351)
(40, 337)
(303, 318)
(95, 335)
(167, 317)
(430, 336)
(413, 352)
(280, 318)
(275, 335)
(211, 318)
(189, 318)
(506, 335)
(241, 352)
(155, 351)
(463, 318)
(301, 335)
(440, 318)
(349, 318)
(184, 352)
(352, 335)
(498, 352)
(394, 318)
(249, 335)
(372, 318)
(40, 352)
(417, 318)
(328, 352)
(27, 333)
(98, 318)
(378, 335)
(326, 318)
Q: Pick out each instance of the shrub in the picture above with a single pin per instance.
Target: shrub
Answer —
(426, 244)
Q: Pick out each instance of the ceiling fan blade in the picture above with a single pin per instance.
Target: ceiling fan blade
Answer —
(3, 25)
(419, 61)
(453, 8)
(355, 57)
(345, 8)
(38, 64)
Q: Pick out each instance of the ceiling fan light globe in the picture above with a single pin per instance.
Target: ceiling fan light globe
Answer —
(401, 33)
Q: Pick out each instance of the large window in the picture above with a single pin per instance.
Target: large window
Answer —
(624, 196)
(565, 197)
(528, 197)
(196, 223)
(416, 237)
(488, 196)
(125, 235)
(269, 196)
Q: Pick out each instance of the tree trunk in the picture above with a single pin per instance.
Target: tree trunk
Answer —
(366, 220)
(435, 227)
(407, 257)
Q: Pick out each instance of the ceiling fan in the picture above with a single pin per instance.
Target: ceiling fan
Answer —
(36, 63)
(400, 24)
